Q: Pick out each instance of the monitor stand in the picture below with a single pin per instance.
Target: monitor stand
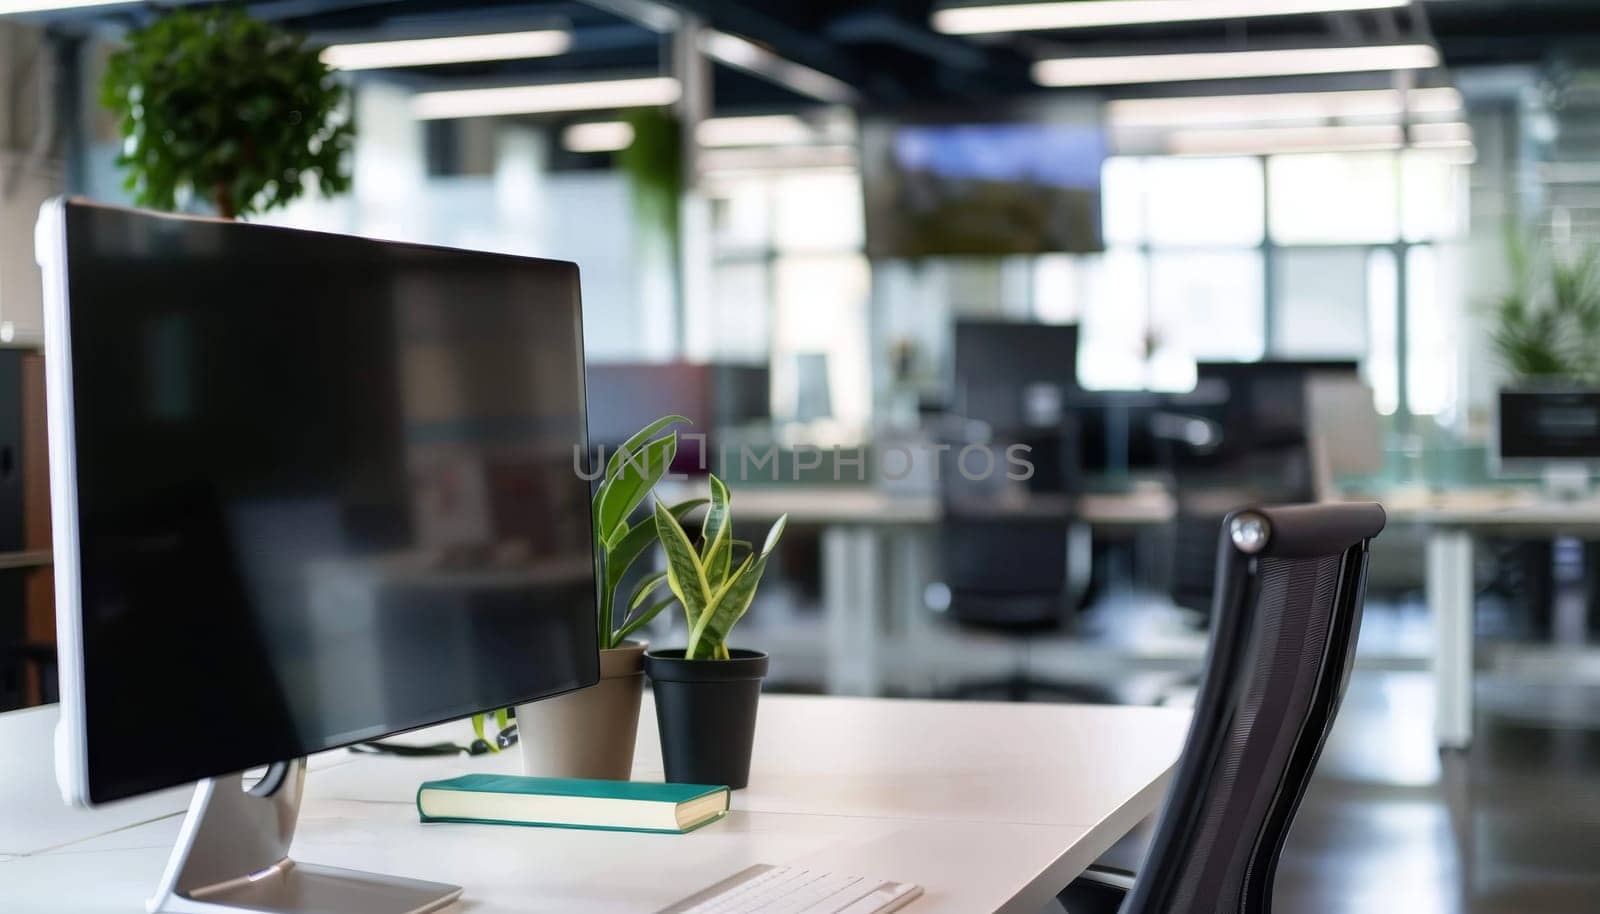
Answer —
(233, 856)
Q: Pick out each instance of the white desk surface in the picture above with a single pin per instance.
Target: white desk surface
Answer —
(990, 807)
(1506, 508)
(871, 505)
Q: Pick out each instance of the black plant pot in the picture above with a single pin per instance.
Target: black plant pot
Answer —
(706, 710)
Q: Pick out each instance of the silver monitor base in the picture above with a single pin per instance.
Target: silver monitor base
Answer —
(232, 855)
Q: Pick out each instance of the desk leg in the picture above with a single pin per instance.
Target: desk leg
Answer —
(1450, 602)
(852, 609)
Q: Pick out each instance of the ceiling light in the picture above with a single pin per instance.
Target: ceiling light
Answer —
(764, 130)
(1080, 14)
(423, 52)
(1269, 140)
(598, 136)
(543, 98)
(1150, 68)
(1282, 106)
(8, 7)
(1449, 133)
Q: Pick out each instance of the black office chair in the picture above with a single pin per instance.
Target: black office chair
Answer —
(1014, 562)
(1291, 582)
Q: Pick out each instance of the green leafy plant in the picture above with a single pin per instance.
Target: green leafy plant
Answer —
(219, 105)
(714, 583)
(1547, 328)
(653, 162)
(631, 473)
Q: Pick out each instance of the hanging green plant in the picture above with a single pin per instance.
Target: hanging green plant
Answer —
(653, 163)
(220, 106)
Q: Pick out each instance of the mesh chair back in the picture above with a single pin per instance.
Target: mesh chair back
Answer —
(1003, 545)
(1290, 586)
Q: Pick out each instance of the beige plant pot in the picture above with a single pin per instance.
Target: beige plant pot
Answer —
(588, 733)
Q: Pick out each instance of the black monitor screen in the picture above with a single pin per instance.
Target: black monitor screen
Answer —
(1015, 374)
(325, 490)
(1550, 425)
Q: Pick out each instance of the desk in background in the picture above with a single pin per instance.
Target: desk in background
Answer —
(990, 807)
(877, 558)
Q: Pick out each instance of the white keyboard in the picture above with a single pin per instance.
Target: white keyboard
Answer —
(764, 889)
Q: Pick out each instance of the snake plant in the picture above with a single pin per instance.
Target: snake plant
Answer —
(714, 583)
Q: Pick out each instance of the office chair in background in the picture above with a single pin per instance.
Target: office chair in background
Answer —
(1290, 586)
(1014, 561)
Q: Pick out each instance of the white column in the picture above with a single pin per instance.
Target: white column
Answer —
(1450, 602)
(852, 608)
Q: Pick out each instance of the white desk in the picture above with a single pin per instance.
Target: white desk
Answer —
(877, 557)
(1454, 521)
(874, 556)
(990, 807)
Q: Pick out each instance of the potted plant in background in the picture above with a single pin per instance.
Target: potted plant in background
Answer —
(590, 733)
(1547, 327)
(706, 692)
(219, 106)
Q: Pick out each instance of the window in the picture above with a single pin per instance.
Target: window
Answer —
(820, 309)
(1383, 330)
(1208, 304)
(1204, 202)
(1319, 302)
(1115, 321)
(1333, 198)
(1432, 300)
(1434, 195)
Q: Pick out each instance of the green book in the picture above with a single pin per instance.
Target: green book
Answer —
(508, 799)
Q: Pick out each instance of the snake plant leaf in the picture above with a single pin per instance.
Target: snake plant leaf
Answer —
(638, 539)
(638, 474)
(717, 520)
(641, 620)
(708, 638)
(773, 535)
(727, 608)
(719, 561)
(685, 574)
(646, 587)
(637, 441)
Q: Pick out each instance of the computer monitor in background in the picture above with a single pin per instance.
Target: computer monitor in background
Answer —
(741, 394)
(1015, 374)
(626, 396)
(716, 396)
(308, 490)
(1257, 406)
(1555, 432)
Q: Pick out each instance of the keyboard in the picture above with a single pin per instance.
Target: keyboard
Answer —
(764, 889)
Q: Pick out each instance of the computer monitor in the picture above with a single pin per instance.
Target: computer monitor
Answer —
(1554, 431)
(1015, 374)
(308, 490)
(626, 396)
(1257, 406)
